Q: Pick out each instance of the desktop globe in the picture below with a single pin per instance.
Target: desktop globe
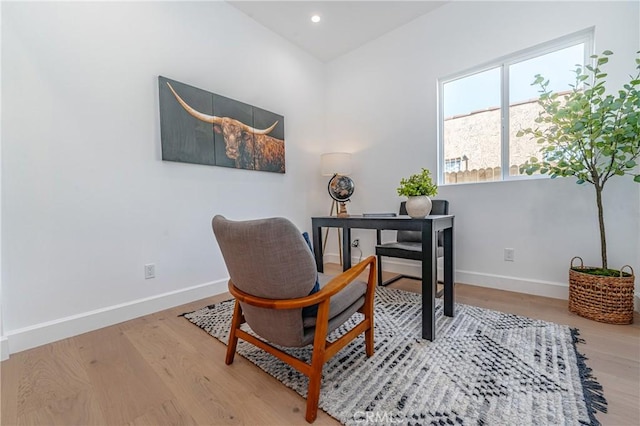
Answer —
(341, 189)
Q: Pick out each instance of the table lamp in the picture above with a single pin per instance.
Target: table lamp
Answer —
(335, 163)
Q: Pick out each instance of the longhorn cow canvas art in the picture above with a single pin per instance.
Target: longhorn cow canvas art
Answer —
(205, 128)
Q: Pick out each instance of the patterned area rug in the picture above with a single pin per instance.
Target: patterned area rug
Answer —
(485, 367)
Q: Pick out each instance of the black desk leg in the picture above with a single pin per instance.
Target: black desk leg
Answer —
(317, 247)
(449, 293)
(379, 268)
(346, 248)
(429, 281)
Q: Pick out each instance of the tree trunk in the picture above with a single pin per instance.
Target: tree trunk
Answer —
(603, 237)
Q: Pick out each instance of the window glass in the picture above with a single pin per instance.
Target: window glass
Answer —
(471, 127)
(476, 105)
(523, 97)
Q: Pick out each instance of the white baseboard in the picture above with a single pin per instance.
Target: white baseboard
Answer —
(4, 348)
(51, 331)
(519, 285)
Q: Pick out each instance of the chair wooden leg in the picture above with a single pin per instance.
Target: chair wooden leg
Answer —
(233, 339)
(313, 393)
(368, 306)
(317, 361)
(368, 338)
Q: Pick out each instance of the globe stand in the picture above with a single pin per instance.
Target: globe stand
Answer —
(343, 210)
(332, 210)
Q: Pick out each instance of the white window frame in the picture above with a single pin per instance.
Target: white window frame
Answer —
(585, 37)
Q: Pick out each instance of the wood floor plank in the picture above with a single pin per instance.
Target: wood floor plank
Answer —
(160, 369)
(125, 384)
(54, 387)
(54, 374)
(10, 374)
(168, 413)
(79, 409)
(184, 371)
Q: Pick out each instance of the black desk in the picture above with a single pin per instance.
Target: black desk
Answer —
(429, 227)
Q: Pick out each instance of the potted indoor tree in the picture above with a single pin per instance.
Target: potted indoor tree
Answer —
(592, 133)
(418, 188)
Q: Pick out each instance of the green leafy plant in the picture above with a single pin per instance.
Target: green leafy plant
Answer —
(418, 184)
(590, 133)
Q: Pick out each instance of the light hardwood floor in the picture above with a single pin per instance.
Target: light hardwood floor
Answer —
(160, 369)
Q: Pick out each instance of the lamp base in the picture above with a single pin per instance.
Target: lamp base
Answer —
(343, 210)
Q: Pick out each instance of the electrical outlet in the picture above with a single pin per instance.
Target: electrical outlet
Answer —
(509, 255)
(149, 271)
(355, 243)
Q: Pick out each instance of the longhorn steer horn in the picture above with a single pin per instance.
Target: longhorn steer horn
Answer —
(218, 120)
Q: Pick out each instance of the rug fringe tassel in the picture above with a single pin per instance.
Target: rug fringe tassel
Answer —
(593, 392)
(206, 307)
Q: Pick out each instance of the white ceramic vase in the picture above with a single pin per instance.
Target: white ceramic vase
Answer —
(418, 206)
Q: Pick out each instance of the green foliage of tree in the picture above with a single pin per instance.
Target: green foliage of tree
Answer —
(418, 184)
(591, 133)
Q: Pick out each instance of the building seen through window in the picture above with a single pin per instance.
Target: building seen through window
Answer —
(454, 165)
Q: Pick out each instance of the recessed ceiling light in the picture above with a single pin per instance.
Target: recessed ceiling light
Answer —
(315, 19)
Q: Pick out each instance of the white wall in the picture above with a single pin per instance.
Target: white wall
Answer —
(86, 199)
(381, 104)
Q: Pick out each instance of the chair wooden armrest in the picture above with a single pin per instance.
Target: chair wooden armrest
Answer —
(334, 286)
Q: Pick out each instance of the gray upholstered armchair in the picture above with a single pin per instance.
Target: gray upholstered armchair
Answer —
(272, 271)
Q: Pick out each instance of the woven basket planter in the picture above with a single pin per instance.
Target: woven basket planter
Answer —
(603, 299)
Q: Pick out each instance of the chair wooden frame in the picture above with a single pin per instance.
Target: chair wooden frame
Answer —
(322, 349)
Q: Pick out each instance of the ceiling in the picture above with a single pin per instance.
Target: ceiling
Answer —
(345, 25)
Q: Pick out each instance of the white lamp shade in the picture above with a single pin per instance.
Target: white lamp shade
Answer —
(335, 162)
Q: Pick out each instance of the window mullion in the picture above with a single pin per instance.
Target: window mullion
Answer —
(440, 134)
(504, 128)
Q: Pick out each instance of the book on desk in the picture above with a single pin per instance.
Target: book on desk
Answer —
(379, 215)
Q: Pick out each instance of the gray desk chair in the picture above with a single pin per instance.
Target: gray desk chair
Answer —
(408, 244)
(272, 271)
